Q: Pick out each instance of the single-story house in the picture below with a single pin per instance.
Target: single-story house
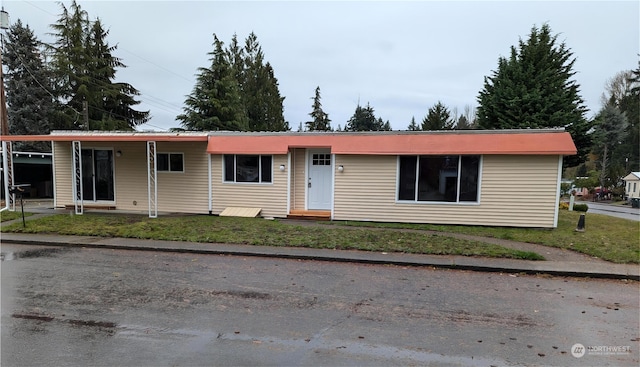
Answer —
(632, 185)
(474, 177)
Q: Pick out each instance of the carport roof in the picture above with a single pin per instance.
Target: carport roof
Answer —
(60, 135)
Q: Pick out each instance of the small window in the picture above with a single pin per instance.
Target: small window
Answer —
(321, 159)
(247, 168)
(170, 162)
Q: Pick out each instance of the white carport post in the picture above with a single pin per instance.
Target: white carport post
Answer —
(152, 179)
(77, 177)
(7, 171)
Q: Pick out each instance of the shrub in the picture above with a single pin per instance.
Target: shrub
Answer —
(580, 207)
(564, 205)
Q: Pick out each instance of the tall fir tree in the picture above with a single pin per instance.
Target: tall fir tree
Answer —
(623, 91)
(609, 129)
(260, 93)
(215, 103)
(85, 69)
(320, 120)
(29, 98)
(438, 118)
(534, 88)
(630, 106)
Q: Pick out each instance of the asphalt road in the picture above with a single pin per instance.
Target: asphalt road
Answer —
(619, 211)
(78, 307)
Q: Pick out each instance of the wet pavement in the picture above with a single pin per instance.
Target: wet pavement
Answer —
(619, 211)
(103, 306)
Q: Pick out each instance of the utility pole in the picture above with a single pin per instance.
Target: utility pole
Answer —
(85, 114)
(4, 117)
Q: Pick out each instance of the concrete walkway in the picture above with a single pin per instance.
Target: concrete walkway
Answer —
(559, 262)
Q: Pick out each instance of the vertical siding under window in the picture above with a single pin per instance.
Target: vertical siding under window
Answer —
(271, 197)
(299, 179)
(515, 191)
(63, 190)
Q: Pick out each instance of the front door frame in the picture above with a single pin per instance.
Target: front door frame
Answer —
(328, 180)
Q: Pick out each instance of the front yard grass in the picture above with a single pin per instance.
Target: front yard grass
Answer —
(613, 239)
(260, 232)
(6, 215)
(605, 237)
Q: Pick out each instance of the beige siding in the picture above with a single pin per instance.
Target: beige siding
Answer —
(63, 191)
(185, 192)
(299, 179)
(515, 191)
(271, 198)
(131, 176)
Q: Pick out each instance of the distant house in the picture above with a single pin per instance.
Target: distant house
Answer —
(632, 185)
(472, 177)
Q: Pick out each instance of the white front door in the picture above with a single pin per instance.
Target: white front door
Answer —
(319, 184)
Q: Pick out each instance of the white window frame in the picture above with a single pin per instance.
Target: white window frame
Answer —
(422, 202)
(169, 154)
(260, 170)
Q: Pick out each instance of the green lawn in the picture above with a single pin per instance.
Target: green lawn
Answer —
(609, 238)
(6, 215)
(260, 232)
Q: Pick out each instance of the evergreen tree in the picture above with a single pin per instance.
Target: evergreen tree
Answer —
(215, 103)
(438, 118)
(623, 91)
(630, 106)
(609, 131)
(413, 126)
(320, 120)
(85, 69)
(29, 98)
(533, 88)
(260, 93)
(364, 119)
(386, 126)
(463, 123)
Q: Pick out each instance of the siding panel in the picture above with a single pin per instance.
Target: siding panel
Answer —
(272, 198)
(515, 191)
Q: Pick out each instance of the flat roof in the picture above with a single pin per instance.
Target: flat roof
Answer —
(512, 142)
(75, 135)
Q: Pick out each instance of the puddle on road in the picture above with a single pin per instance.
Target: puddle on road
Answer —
(315, 344)
(32, 254)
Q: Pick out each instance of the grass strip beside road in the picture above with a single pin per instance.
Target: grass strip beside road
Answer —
(6, 215)
(260, 232)
(609, 238)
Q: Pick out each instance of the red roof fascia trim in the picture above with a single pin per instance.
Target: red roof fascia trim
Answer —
(399, 144)
(104, 138)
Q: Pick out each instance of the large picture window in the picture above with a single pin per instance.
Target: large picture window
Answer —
(448, 178)
(170, 162)
(247, 168)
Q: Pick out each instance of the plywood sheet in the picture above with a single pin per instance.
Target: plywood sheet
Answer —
(240, 212)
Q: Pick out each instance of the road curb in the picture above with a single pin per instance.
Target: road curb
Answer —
(344, 258)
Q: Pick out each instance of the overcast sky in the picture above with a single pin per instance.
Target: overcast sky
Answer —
(400, 57)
